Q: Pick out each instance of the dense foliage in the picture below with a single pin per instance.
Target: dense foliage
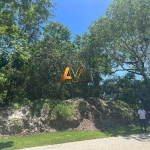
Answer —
(33, 57)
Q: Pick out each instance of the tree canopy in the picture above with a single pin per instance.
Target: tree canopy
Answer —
(34, 52)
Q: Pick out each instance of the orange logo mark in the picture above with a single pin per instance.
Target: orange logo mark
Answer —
(81, 71)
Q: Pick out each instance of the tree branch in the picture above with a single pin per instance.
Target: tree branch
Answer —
(129, 70)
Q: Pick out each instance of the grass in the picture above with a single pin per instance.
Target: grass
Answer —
(17, 142)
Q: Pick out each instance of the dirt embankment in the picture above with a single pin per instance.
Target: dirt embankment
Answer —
(80, 114)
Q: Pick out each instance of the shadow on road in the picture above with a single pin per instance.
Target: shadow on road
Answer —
(139, 137)
(117, 131)
(128, 133)
(4, 145)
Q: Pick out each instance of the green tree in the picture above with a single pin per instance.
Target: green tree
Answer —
(124, 34)
(49, 59)
(94, 60)
(21, 25)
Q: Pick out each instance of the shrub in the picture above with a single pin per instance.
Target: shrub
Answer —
(64, 111)
(16, 122)
(46, 104)
(16, 106)
(36, 107)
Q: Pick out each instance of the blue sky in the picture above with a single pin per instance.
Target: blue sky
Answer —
(77, 15)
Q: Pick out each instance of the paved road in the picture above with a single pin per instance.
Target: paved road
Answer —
(132, 142)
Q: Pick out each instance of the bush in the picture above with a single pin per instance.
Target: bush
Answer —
(16, 106)
(36, 107)
(46, 104)
(25, 102)
(64, 111)
(121, 109)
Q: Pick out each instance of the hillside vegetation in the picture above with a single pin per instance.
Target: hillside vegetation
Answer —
(73, 114)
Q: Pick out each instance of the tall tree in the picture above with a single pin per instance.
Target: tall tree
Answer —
(19, 18)
(125, 35)
(51, 56)
(94, 59)
(20, 26)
